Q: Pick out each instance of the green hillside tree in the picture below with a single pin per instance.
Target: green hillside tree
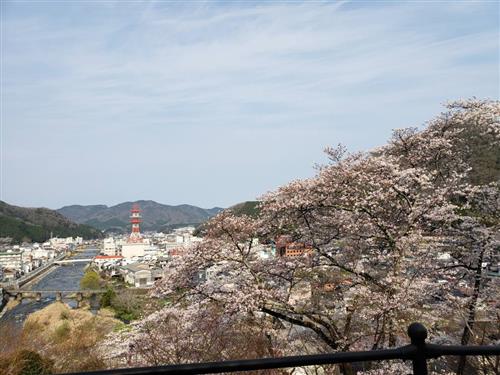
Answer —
(90, 280)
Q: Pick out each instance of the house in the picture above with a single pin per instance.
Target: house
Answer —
(141, 275)
(10, 274)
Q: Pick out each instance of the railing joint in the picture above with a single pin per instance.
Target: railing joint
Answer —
(418, 334)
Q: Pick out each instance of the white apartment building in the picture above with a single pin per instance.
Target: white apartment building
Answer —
(135, 249)
(110, 247)
(61, 243)
(12, 260)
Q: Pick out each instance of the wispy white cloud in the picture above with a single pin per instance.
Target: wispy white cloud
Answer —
(241, 96)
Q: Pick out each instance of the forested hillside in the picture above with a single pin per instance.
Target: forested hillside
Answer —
(37, 224)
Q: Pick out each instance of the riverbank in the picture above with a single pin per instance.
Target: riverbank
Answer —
(8, 306)
(61, 278)
(65, 337)
(37, 278)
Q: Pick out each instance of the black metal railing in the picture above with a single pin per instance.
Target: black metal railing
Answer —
(418, 352)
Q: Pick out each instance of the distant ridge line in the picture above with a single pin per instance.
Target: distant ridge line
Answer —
(156, 216)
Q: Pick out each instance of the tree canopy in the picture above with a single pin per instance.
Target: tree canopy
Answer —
(90, 280)
(397, 234)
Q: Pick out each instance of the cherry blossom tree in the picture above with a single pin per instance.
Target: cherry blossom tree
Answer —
(379, 224)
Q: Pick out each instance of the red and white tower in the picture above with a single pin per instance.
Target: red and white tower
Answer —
(135, 220)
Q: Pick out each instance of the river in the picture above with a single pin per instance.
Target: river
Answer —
(64, 277)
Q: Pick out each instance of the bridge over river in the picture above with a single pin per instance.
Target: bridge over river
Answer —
(77, 295)
(60, 283)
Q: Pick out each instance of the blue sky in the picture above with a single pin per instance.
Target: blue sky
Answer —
(212, 102)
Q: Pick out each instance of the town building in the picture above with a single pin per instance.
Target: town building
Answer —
(281, 242)
(285, 246)
(132, 250)
(12, 260)
(101, 259)
(109, 247)
(141, 275)
(297, 249)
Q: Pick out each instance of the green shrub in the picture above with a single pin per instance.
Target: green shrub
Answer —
(90, 280)
(62, 332)
(126, 315)
(108, 297)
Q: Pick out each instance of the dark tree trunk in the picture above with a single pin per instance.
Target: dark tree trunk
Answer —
(345, 368)
(471, 318)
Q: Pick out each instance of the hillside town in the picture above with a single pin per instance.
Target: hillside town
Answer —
(141, 259)
(138, 258)
(17, 261)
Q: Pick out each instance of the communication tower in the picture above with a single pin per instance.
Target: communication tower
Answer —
(135, 221)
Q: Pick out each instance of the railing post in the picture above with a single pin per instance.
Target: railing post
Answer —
(418, 334)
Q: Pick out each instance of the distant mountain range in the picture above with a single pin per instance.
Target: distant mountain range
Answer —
(155, 216)
(37, 224)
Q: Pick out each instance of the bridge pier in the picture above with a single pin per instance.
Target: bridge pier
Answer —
(79, 299)
(94, 302)
(77, 295)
